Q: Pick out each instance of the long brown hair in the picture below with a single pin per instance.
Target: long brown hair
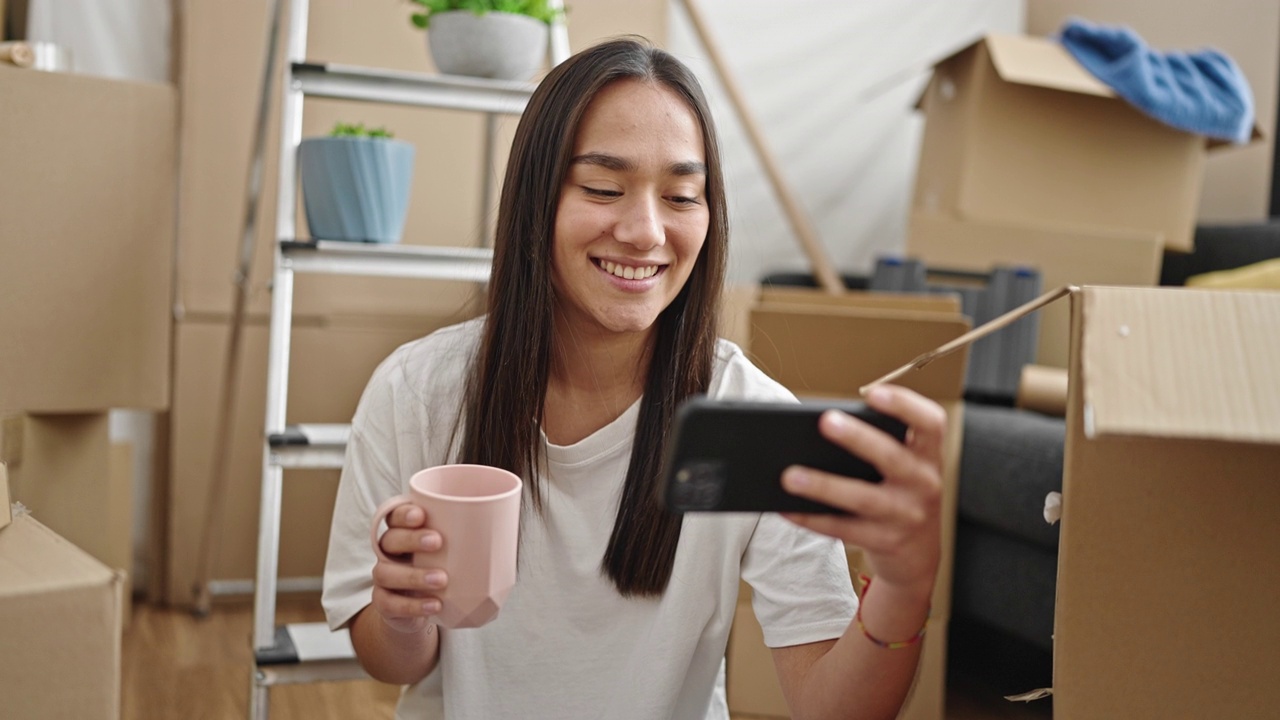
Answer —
(503, 407)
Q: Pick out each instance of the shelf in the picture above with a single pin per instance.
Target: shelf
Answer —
(424, 262)
(454, 92)
(310, 446)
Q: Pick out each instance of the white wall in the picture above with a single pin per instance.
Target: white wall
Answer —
(121, 39)
(832, 84)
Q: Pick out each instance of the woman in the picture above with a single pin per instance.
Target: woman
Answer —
(608, 267)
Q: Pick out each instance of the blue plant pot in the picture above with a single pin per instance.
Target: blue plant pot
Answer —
(356, 188)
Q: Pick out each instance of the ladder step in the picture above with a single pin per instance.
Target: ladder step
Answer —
(306, 642)
(310, 446)
(308, 652)
(455, 92)
(468, 264)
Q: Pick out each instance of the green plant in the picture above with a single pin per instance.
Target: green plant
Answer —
(359, 130)
(536, 9)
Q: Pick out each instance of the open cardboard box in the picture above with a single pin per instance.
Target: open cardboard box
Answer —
(1005, 109)
(1167, 571)
(61, 611)
(827, 346)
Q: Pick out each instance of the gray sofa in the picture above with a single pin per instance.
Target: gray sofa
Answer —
(1006, 556)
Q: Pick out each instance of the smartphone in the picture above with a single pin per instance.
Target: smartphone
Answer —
(728, 456)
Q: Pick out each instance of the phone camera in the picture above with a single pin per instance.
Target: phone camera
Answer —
(698, 486)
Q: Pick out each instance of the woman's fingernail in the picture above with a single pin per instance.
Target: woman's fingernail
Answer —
(434, 578)
(796, 479)
(879, 395)
(431, 542)
(838, 419)
(431, 607)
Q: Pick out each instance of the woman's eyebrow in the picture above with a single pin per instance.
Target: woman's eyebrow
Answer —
(606, 161)
(691, 167)
(621, 164)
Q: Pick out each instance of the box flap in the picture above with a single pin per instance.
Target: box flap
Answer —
(901, 374)
(35, 559)
(1042, 62)
(1181, 363)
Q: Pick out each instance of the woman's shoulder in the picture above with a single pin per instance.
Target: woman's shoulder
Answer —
(437, 361)
(734, 376)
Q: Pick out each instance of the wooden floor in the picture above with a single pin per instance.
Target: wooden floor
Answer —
(177, 666)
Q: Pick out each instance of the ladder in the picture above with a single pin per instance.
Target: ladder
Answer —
(308, 652)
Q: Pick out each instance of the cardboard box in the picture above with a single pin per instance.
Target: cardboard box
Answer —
(1064, 256)
(64, 470)
(61, 612)
(87, 233)
(1018, 131)
(1237, 184)
(330, 364)
(738, 302)
(1166, 560)
(220, 91)
(821, 346)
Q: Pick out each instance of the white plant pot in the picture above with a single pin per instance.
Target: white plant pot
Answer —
(493, 45)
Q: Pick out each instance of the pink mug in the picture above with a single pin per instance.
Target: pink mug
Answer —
(476, 510)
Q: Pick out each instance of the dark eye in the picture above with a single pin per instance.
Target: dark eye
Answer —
(683, 200)
(600, 192)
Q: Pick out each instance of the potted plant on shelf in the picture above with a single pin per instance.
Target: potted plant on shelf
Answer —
(501, 39)
(355, 184)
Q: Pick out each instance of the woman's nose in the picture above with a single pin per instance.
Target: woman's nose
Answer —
(640, 225)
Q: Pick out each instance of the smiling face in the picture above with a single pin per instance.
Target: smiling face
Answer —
(632, 215)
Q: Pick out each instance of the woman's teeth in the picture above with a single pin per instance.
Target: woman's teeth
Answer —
(626, 272)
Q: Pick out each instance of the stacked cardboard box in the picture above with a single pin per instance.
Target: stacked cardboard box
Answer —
(87, 226)
(1166, 561)
(1029, 159)
(86, 222)
(826, 346)
(61, 611)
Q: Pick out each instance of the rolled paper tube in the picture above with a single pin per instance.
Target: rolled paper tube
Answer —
(1043, 389)
(17, 53)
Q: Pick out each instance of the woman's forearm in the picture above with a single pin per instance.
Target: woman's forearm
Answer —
(857, 678)
(391, 655)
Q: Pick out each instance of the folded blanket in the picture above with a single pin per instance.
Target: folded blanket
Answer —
(1202, 92)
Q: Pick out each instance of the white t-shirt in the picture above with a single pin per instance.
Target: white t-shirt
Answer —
(566, 644)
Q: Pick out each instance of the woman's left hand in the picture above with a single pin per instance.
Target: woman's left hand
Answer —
(896, 522)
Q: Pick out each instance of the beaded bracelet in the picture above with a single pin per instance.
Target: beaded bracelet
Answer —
(877, 641)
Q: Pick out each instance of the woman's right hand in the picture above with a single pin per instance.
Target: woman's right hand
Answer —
(405, 595)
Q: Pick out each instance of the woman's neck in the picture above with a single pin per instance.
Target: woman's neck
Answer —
(594, 378)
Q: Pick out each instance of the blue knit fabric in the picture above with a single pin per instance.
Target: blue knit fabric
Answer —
(1202, 92)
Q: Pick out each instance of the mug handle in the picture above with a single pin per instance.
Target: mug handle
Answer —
(378, 517)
